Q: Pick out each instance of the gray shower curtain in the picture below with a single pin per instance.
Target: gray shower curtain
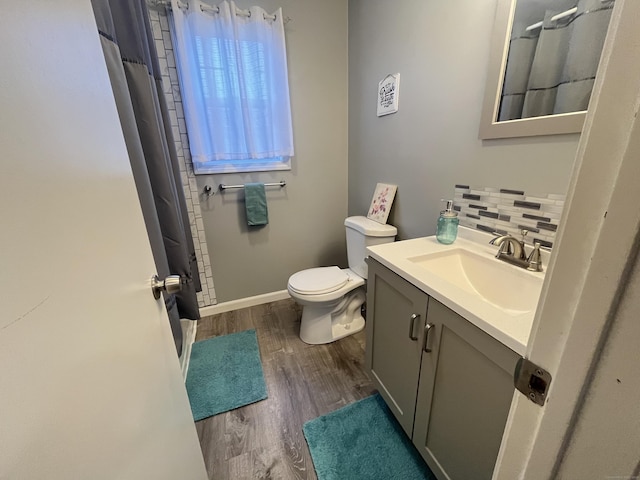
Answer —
(548, 64)
(587, 39)
(522, 48)
(132, 62)
(552, 70)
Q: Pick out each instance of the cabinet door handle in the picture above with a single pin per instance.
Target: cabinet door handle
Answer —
(412, 324)
(428, 327)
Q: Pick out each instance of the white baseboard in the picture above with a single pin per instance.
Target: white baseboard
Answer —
(244, 303)
(189, 328)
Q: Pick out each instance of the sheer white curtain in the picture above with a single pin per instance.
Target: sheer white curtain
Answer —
(232, 69)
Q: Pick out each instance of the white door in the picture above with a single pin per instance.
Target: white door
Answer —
(585, 332)
(90, 385)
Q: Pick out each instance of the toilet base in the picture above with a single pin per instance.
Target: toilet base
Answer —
(326, 323)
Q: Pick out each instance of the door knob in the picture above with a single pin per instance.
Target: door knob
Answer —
(170, 284)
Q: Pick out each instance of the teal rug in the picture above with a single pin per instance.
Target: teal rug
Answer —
(363, 441)
(225, 373)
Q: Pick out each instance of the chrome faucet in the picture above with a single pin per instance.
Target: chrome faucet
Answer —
(512, 250)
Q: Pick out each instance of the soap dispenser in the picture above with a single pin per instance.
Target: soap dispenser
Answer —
(447, 224)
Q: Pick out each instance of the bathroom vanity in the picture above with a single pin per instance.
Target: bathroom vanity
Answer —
(442, 345)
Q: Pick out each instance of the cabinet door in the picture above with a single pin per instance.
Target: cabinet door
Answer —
(464, 396)
(393, 349)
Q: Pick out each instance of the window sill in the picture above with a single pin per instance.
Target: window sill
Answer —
(240, 167)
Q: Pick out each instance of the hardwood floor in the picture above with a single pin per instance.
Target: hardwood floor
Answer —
(265, 440)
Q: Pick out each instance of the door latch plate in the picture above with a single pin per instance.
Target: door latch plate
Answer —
(532, 380)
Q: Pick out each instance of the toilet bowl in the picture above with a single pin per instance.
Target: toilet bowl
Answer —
(332, 297)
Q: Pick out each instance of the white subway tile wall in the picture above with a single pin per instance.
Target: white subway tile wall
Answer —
(171, 89)
(505, 210)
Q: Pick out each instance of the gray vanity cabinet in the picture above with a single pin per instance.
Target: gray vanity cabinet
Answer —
(463, 386)
(393, 348)
(464, 394)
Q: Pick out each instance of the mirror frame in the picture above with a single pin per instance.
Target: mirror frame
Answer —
(523, 127)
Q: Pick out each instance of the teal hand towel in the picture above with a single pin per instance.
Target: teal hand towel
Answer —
(255, 201)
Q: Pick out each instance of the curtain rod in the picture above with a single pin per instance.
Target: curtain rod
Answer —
(209, 9)
(557, 17)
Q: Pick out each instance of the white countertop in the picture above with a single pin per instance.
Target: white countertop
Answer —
(511, 328)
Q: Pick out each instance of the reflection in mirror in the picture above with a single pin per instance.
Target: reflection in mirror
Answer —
(553, 56)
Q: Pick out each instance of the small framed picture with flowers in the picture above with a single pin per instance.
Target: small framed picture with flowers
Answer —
(381, 203)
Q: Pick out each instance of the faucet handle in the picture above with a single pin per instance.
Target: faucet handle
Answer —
(535, 259)
(524, 232)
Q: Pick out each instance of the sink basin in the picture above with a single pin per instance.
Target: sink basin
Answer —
(507, 287)
(497, 297)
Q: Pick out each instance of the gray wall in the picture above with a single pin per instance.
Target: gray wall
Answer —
(306, 217)
(441, 49)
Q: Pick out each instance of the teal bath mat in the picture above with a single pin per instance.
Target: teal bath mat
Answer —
(363, 441)
(225, 373)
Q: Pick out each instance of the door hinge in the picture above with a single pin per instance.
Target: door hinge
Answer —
(532, 380)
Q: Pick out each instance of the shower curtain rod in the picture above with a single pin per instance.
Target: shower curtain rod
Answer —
(566, 13)
(209, 9)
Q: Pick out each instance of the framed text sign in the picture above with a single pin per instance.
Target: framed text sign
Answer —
(388, 90)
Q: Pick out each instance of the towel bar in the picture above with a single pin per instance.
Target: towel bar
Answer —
(280, 184)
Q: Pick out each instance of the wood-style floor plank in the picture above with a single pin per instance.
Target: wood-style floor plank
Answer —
(265, 440)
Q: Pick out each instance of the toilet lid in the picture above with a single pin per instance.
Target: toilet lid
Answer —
(316, 281)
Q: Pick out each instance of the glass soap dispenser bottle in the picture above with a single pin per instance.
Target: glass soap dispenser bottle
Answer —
(447, 224)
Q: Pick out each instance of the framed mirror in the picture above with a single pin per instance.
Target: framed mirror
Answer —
(542, 66)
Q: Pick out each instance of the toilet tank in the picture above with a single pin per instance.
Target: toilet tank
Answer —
(362, 233)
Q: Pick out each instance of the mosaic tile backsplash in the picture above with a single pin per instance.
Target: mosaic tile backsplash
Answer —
(504, 210)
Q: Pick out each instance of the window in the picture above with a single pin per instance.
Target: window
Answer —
(233, 77)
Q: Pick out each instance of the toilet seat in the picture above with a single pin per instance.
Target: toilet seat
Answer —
(318, 281)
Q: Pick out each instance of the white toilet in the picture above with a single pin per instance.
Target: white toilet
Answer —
(331, 298)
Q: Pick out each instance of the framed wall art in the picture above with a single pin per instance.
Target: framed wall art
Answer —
(388, 90)
(381, 204)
